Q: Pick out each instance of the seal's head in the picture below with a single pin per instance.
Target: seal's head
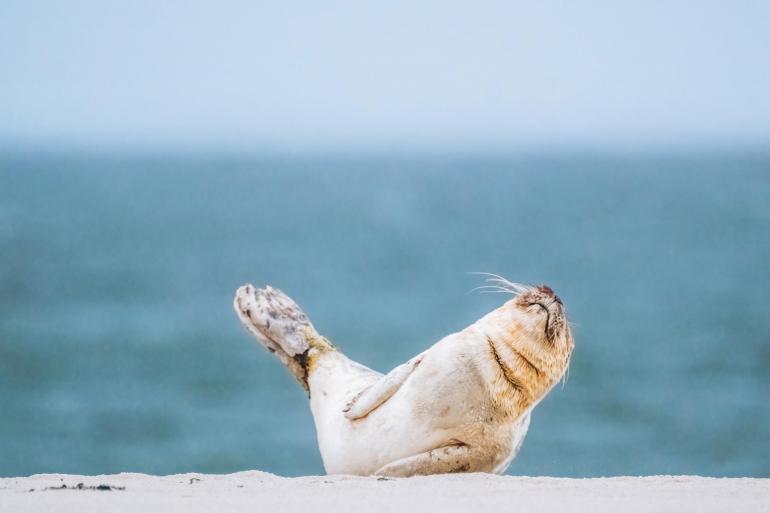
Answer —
(543, 311)
(530, 339)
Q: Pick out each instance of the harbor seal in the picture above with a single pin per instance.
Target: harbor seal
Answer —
(462, 405)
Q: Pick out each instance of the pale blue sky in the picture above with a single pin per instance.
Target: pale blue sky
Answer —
(355, 75)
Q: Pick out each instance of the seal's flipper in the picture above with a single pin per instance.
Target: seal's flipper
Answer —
(456, 457)
(371, 398)
(280, 325)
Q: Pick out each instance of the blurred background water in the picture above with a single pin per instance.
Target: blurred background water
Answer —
(119, 350)
(365, 157)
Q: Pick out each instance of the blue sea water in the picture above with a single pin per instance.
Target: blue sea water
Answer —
(119, 350)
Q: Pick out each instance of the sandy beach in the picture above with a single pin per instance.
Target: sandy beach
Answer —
(260, 491)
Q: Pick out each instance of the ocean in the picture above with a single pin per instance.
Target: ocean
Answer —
(119, 349)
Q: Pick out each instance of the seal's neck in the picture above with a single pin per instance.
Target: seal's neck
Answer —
(522, 370)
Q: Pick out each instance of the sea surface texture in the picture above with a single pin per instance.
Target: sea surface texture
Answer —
(119, 349)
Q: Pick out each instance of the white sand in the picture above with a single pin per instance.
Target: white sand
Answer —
(477, 493)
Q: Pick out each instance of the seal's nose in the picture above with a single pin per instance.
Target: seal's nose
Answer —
(548, 291)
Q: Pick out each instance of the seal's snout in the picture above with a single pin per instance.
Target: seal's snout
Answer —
(543, 302)
(548, 292)
(542, 296)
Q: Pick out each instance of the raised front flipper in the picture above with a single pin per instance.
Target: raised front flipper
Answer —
(371, 398)
(455, 457)
(281, 326)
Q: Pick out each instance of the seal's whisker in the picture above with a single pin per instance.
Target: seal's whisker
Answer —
(503, 283)
(565, 376)
(514, 288)
(494, 288)
(488, 286)
(482, 273)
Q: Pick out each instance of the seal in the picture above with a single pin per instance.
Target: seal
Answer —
(462, 405)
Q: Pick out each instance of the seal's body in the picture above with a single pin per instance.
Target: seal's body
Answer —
(463, 405)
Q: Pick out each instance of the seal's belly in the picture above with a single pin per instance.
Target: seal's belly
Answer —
(442, 402)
